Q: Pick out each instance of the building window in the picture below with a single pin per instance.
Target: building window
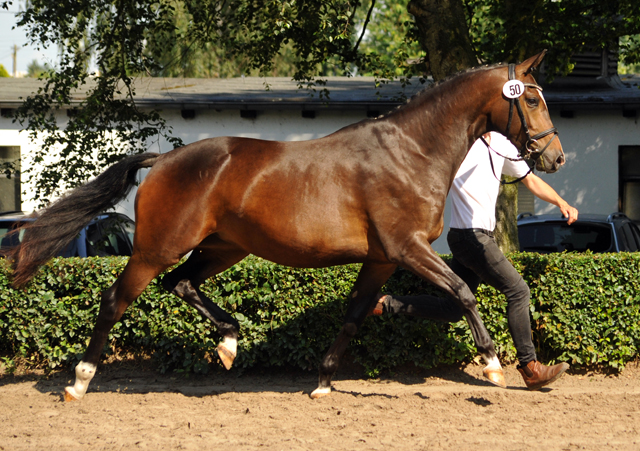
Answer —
(10, 198)
(526, 200)
(629, 181)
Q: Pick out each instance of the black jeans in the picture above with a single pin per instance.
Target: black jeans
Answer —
(476, 258)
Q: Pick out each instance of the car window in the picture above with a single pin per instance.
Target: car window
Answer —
(129, 228)
(623, 239)
(631, 243)
(12, 240)
(636, 234)
(71, 250)
(558, 237)
(106, 238)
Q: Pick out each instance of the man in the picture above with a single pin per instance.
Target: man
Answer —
(476, 256)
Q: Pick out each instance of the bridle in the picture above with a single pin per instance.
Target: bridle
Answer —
(531, 153)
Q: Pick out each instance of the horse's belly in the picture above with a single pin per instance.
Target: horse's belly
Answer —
(309, 246)
(310, 259)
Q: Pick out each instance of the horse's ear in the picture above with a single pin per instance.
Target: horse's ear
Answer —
(532, 63)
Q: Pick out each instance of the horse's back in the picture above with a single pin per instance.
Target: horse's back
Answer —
(286, 201)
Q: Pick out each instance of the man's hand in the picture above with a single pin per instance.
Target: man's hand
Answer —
(542, 190)
(569, 212)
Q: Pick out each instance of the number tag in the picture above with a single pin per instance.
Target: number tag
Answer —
(513, 89)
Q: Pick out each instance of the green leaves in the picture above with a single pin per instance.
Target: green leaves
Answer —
(585, 310)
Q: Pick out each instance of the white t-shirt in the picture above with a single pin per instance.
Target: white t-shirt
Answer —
(475, 188)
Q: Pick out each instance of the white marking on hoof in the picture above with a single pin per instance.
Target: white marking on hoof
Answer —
(71, 395)
(493, 371)
(231, 344)
(84, 374)
(492, 362)
(227, 351)
(320, 392)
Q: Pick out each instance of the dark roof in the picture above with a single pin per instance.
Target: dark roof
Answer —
(601, 93)
(240, 93)
(349, 93)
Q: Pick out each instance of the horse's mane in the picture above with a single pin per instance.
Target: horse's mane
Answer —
(427, 91)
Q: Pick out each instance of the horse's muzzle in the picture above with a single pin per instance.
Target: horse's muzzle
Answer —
(548, 162)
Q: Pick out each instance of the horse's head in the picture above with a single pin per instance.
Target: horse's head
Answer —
(524, 117)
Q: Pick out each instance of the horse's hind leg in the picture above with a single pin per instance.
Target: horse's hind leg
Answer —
(210, 258)
(363, 298)
(126, 289)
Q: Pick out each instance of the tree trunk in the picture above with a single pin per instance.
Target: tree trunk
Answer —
(443, 33)
(506, 231)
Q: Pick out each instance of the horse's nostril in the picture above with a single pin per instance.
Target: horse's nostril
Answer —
(560, 160)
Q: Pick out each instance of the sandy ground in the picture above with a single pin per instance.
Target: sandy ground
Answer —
(130, 407)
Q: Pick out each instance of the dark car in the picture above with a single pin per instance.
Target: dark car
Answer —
(597, 233)
(107, 234)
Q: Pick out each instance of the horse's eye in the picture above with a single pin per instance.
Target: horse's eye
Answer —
(532, 101)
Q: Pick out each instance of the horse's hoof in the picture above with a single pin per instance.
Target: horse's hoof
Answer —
(320, 392)
(70, 395)
(495, 376)
(226, 357)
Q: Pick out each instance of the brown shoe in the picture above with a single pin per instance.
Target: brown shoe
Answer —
(537, 375)
(379, 308)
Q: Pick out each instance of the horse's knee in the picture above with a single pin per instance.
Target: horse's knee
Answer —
(176, 284)
(181, 288)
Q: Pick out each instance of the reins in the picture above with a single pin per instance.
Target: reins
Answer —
(502, 182)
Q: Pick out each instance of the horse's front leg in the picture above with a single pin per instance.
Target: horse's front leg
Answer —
(420, 258)
(363, 298)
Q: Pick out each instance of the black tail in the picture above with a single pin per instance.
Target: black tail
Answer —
(62, 220)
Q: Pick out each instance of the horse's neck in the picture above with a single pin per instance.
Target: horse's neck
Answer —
(450, 118)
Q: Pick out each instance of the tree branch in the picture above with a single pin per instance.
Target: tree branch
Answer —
(364, 28)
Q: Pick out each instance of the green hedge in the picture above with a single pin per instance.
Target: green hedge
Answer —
(585, 310)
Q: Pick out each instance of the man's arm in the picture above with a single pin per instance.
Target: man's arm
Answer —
(543, 191)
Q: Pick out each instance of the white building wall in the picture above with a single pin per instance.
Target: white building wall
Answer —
(11, 136)
(589, 180)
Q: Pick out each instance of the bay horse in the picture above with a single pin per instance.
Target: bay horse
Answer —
(372, 193)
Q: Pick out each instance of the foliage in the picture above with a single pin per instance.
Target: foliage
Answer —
(391, 36)
(37, 70)
(512, 30)
(585, 310)
(3, 72)
(629, 55)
